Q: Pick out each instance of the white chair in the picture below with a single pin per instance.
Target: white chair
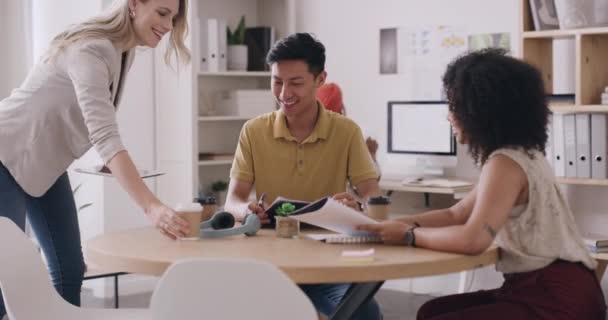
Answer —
(26, 286)
(228, 289)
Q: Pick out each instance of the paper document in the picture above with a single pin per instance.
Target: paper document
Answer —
(101, 170)
(333, 215)
(442, 183)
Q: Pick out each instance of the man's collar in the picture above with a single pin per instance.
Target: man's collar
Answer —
(320, 131)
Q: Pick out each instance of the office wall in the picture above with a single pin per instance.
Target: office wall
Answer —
(350, 31)
(15, 56)
(4, 45)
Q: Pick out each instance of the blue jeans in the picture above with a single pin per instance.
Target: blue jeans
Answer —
(54, 220)
(326, 297)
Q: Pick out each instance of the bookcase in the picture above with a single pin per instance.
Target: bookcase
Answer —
(591, 68)
(185, 99)
(591, 77)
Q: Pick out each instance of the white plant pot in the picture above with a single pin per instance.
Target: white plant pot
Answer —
(237, 57)
(581, 13)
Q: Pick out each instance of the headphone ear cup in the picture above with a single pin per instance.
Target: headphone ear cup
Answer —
(252, 223)
(222, 220)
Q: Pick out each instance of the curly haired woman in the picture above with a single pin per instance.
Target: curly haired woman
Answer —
(498, 107)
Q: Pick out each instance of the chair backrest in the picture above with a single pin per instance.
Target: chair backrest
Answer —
(228, 289)
(24, 279)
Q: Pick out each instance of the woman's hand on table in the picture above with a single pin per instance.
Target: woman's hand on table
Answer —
(392, 232)
(167, 221)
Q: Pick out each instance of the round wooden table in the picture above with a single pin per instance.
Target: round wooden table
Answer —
(304, 260)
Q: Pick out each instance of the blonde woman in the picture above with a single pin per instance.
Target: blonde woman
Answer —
(68, 104)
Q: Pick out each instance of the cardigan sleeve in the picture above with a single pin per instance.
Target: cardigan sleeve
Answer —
(89, 68)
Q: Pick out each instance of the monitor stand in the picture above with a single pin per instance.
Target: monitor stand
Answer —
(427, 170)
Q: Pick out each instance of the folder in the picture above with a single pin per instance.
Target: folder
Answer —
(202, 44)
(216, 45)
(599, 146)
(559, 160)
(222, 45)
(570, 144)
(549, 146)
(583, 145)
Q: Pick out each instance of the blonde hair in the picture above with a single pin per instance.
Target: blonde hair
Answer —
(115, 25)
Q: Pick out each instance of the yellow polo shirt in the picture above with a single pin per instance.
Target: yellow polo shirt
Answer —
(269, 156)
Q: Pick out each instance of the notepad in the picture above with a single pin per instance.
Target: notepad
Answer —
(100, 170)
(358, 255)
(345, 239)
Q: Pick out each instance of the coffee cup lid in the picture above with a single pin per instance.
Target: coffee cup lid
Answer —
(379, 200)
(188, 207)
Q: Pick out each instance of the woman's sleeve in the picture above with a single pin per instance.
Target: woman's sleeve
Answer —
(88, 67)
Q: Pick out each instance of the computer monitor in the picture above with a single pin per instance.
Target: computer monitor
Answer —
(420, 130)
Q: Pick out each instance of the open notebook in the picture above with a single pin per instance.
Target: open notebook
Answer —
(327, 213)
(344, 239)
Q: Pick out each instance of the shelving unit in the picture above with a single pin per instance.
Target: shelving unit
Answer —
(591, 76)
(189, 120)
(591, 68)
(591, 65)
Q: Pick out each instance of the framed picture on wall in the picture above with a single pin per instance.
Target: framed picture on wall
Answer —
(544, 14)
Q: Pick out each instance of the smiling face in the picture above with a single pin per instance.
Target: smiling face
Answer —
(152, 19)
(295, 87)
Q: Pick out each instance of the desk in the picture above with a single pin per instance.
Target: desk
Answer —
(393, 184)
(304, 260)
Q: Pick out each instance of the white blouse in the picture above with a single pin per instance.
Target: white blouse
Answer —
(543, 230)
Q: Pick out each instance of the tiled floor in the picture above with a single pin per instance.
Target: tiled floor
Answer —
(396, 305)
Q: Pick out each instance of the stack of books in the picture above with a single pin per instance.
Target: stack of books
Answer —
(595, 242)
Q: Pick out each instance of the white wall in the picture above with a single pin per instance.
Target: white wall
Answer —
(15, 56)
(4, 45)
(350, 32)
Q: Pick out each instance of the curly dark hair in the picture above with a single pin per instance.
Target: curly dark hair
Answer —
(498, 101)
(299, 46)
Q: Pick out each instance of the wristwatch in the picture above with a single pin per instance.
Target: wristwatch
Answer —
(410, 236)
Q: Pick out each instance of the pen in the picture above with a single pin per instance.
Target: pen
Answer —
(261, 201)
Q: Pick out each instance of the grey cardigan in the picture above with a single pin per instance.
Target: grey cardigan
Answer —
(65, 106)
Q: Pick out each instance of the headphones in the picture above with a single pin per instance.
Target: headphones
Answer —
(221, 225)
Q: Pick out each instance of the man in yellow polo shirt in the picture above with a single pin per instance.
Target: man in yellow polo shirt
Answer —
(301, 151)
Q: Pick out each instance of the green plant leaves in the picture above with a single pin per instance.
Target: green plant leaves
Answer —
(285, 209)
(238, 36)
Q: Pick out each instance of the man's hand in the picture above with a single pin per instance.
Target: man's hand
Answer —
(167, 221)
(347, 199)
(255, 208)
(392, 232)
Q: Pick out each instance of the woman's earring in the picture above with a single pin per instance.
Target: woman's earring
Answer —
(132, 14)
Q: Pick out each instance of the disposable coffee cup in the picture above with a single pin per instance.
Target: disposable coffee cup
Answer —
(209, 207)
(193, 213)
(378, 207)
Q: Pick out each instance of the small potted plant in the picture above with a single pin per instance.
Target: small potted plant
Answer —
(237, 50)
(219, 189)
(286, 227)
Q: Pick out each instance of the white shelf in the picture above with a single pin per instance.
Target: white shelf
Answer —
(222, 118)
(556, 34)
(215, 162)
(235, 74)
(583, 181)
